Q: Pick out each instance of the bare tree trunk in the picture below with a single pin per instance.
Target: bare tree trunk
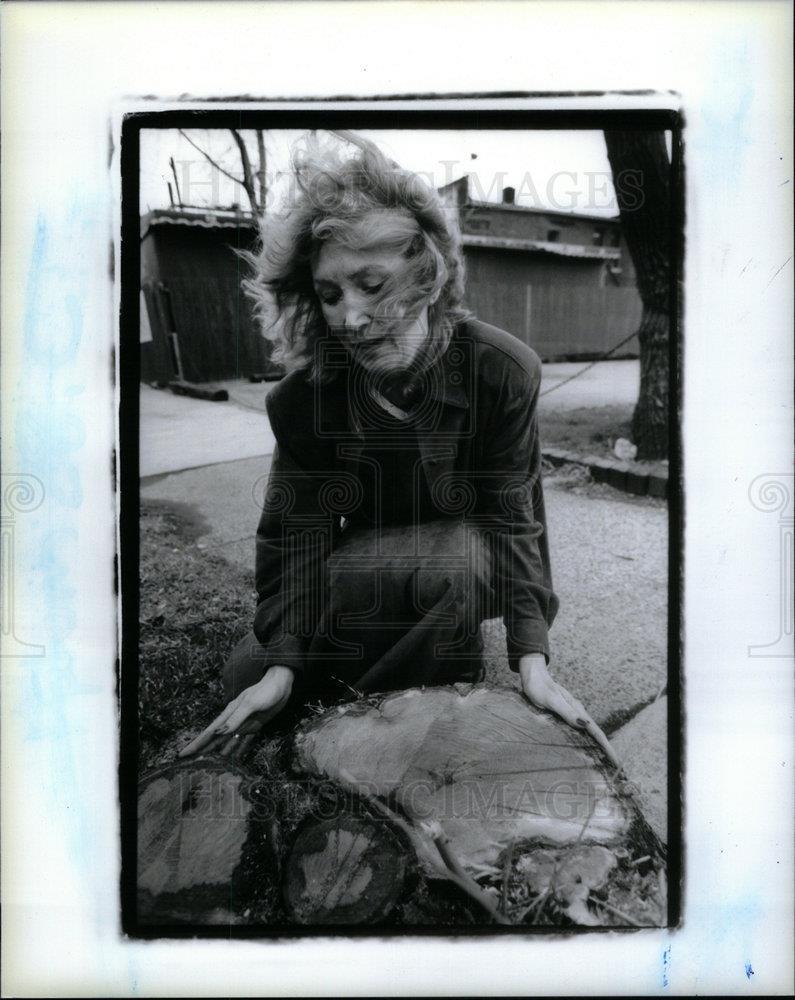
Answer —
(263, 187)
(248, 173)
(641, 175)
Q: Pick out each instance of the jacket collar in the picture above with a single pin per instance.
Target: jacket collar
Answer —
(445, 380)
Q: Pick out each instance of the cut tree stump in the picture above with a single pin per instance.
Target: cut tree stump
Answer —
(195, 820)
(344, 871)
(478, 764)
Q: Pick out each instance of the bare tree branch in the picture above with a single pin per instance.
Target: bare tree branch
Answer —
(211, 161)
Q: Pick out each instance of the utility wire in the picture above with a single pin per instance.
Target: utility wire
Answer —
(546, 392)
(588, 367)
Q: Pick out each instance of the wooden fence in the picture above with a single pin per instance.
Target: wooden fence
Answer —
(216, 335)
(581, 321)
(562, 322)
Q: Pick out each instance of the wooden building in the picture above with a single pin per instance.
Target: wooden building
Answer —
(562, 282)
(196, 321)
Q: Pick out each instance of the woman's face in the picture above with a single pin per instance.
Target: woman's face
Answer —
(348, 284)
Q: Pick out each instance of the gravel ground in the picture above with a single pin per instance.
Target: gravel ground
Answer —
(609, 564)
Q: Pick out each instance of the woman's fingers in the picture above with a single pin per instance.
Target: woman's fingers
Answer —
(255, 722)
(235, 720)
(207, 735)
(246, 731)
(237, 744)
(230, 746)
(211, 740)
(202, 741)
(598, 735)
(563, 703)
(239, 741)
(559, 704)
(582, 717)
(215, 743)
(246, 713)
(196, 744)
(584, 721)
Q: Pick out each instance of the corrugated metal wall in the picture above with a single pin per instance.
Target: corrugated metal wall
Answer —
(581, 322)
(561, 322)
(562, 307)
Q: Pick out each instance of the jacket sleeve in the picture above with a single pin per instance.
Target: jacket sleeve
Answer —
(511, 509)
(297, 530)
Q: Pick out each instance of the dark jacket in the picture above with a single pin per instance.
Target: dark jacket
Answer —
(478, 437)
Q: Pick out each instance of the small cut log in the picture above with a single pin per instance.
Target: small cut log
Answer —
(195, 821)
(210, 393)
(344, 871)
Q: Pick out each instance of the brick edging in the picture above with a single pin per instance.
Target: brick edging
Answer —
(620, 475)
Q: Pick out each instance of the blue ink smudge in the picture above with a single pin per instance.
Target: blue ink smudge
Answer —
(49, 436)
(666, 958)
(748, 970)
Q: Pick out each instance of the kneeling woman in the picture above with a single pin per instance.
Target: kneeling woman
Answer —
(404, 504)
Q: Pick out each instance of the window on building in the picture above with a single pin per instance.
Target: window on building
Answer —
(552, 235)
(598, 237)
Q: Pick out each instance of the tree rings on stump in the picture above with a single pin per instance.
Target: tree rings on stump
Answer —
(479, 764)
(194, 823)
(344, 871)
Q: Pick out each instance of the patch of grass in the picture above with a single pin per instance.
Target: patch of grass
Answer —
(194, 607)
(588, 431)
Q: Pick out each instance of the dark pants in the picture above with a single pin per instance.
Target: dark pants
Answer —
(402, 609)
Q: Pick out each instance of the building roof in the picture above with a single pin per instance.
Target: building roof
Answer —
(203, 218)
(501, 206)
(542, 246)
(458, 191)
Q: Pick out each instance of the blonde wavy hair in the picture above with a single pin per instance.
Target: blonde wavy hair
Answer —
(362, 201)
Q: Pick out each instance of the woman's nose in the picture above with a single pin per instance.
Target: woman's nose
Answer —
(355, 314)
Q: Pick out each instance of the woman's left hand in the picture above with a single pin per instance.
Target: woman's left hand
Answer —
(545, 692)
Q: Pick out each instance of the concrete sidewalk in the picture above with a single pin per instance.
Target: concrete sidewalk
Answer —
(608, 383)
(177, 432)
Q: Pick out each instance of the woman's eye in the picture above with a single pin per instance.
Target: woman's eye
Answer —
(330, 299)
(374, 289)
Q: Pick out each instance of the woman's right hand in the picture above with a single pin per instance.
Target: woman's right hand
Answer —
(546, 693)
(247, 713)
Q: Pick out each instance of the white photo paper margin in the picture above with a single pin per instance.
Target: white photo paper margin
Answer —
(69, 71)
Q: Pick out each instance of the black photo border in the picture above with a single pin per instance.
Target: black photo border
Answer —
(409, 116)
